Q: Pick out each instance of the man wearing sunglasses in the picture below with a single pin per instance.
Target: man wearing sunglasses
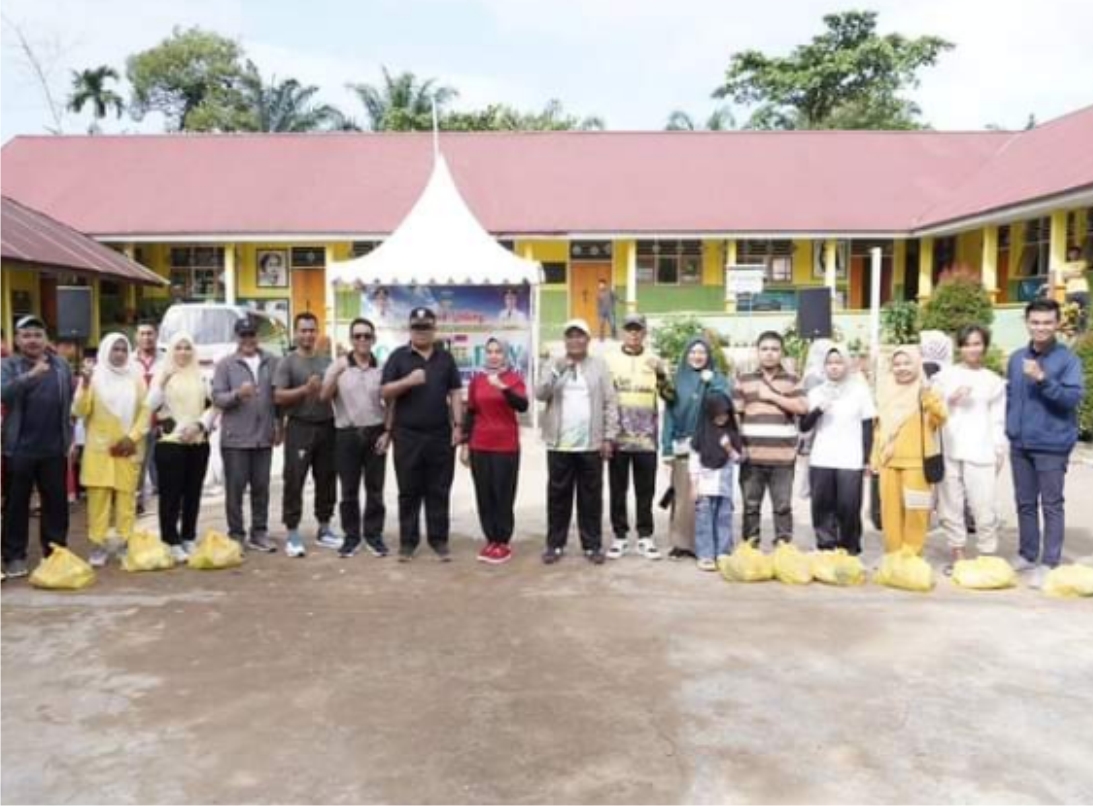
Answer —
(309, 436)
(422, 385)
(353, 384)
(243, 391)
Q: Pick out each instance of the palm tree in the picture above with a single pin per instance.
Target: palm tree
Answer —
(403, 103)
(286, 106)
(89, 87)
(721, 119)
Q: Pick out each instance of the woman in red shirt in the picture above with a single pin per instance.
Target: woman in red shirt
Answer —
(492, 447)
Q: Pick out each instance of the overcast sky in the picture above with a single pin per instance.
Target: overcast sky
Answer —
(630, 61)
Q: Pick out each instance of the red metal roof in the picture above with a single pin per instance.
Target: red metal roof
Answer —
(541, 183)
(28, 236)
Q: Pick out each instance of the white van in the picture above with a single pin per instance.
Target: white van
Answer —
(212, 325)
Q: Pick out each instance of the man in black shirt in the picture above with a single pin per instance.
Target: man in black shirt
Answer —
(423, 391)
(37, 389)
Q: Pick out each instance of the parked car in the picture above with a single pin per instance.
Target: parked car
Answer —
(213, 327)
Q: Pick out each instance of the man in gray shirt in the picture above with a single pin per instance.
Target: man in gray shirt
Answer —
(243, 391)
(309, 436)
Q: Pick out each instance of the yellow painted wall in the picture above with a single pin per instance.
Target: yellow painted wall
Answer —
(713, 263)
(620, 257)
(157, 258)
(556, 251)
(969, 248)
(18, 280)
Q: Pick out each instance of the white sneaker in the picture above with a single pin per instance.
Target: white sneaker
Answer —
(294, 545)
(179, 554)
(98, 557)
(1021, 565)
(1036, 578)
(618, 548)
(647, 548)
(188, 546)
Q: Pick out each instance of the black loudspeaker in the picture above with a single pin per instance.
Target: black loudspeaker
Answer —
(74, 312)
(814, 313)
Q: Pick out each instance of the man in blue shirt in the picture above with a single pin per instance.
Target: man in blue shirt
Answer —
(37, 389)
(1045, 389)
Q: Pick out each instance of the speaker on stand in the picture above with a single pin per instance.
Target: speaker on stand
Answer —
(814, 313)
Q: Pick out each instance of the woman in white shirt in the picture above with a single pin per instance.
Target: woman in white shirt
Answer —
(841, 412)
(974, 444)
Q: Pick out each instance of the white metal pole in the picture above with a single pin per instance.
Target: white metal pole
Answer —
(533, 360)
(874, 307)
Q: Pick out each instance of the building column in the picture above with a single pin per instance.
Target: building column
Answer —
(730, 260)
(631, 277)
(831, 276)
(988, 272)
(899, 266)
(1057, 255)
(229, 273)
(96, 311)
(925, 268)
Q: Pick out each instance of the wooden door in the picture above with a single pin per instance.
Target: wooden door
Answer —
(1003, 272)
(584, 281)
(309, 293)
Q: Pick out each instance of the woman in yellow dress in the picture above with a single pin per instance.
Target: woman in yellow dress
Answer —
(909, 416)
(111, 401)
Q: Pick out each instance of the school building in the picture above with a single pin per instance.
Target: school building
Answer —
(659, 215)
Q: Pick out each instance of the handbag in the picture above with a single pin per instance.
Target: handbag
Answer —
(933, 467)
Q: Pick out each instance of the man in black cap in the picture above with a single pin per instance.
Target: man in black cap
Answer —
(243, 391)
(37, 390)
(422, 387)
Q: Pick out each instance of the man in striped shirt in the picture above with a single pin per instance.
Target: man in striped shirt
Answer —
(768, 403)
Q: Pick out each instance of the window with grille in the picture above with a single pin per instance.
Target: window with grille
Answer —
(1036, 253)
(776, 256)
(669, 262)
(554, 273)
(308, 257)
(856, 248)
(590, 250)
(361, 248)
(198, 271)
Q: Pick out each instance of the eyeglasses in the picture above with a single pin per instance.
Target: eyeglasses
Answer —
(363, 336)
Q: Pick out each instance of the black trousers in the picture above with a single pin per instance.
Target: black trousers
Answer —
(180, 470)
(424, 467)
(356, 458)
(836, 508)
(645, 482)
(495, 477)
(569, 472)
(755, 480)
(22, 475)
(309, 446)
(246, 468)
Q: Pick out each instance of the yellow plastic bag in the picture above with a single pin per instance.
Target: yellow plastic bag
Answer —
(984, 573)
(146, 552)
(905, 570)
(746, 564)
(791, 565)
(837, 568)
(216, 550)
(1069, 581)
(62, 570)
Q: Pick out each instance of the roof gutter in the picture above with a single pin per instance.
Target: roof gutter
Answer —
(1082, 197)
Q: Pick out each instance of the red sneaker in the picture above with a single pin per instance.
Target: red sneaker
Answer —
(486, 554)
(501, 553)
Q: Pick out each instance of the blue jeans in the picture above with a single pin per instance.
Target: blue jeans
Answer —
(713, 526)
(1038, 484)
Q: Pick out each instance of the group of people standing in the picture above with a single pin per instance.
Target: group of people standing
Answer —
(930, 442)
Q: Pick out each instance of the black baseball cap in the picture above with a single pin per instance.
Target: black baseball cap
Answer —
(422, 316)
(30, 321)
(246, 327)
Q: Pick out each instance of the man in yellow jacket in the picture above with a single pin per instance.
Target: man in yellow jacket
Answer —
(111, 401)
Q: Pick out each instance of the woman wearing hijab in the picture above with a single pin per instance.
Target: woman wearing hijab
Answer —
(112, 405)
(840, 417)
(492, 447)
(696, 375)
(909, 417)
(181, 399)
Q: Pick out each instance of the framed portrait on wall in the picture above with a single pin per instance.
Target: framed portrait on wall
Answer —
(272, 268)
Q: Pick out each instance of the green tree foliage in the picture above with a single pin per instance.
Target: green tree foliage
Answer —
(286, 106)
(848, 77)
(959, 300)
(671, 336)
(721, 119)
(501, 117)
(195, 78)
(89, 87)
(403, 102)
(1084, 350)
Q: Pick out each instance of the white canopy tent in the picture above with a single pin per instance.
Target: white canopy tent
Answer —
(440, 242)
